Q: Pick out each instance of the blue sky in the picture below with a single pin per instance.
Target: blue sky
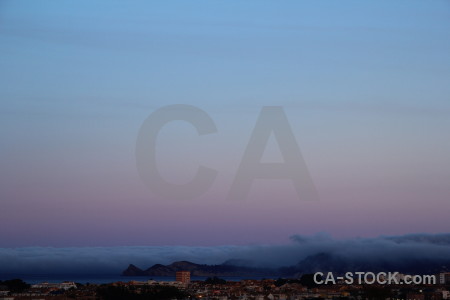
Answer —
(364, 85)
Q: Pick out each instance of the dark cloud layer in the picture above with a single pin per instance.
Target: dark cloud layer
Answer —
(384, 250)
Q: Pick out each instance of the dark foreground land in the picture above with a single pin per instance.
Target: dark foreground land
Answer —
(216, 288)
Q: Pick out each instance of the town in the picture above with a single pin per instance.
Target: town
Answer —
(215, 288)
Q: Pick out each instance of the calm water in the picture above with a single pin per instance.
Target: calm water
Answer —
(31, 279)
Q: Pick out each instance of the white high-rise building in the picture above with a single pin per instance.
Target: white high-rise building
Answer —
(444, 278)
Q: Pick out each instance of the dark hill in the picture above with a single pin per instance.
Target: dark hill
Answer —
(198, 270)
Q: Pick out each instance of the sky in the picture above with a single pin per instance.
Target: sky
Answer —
(363, 85)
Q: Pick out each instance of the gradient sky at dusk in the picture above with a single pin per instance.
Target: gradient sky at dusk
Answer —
(365, 86)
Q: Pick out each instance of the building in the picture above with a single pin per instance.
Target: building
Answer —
(183, 277)
(444, 278)
(66, 285)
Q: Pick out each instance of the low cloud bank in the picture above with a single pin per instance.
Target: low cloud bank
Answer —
(426, 248)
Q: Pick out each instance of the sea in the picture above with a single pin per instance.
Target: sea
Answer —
(100, 279)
